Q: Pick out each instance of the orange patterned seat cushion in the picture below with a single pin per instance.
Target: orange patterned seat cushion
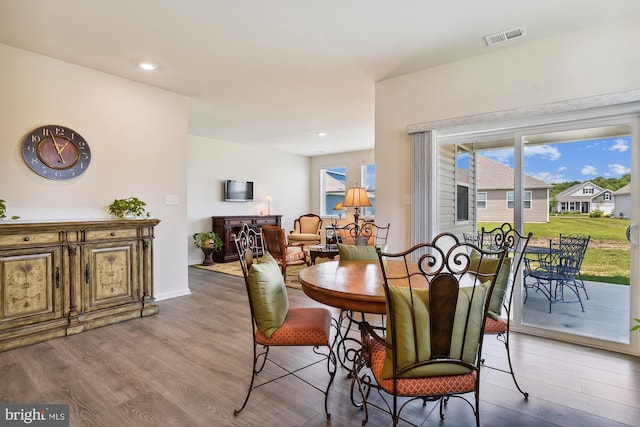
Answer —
(302, 326)
(492, 326)
(419, 386)
(295, 253)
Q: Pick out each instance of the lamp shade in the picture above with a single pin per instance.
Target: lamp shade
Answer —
(338, 206)
(356, 197)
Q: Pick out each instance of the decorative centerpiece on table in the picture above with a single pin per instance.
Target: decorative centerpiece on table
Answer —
(209, 242)
(129, 208)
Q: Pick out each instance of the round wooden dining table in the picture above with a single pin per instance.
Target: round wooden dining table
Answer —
(355, 285)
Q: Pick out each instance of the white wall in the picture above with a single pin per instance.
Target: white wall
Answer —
(137, 136)
(283, 176)
(574, 65)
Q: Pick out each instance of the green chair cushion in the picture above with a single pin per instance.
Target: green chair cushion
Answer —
(268, 294)
(404, 313)
(352, 252)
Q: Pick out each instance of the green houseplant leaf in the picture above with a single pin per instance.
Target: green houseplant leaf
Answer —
(3, 211)
(129, 207)
(207, 239)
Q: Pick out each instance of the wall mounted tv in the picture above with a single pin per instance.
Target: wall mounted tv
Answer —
(238, 191)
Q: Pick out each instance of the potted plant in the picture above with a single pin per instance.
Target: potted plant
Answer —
(130, 208)
(209, 242)
(3, 211)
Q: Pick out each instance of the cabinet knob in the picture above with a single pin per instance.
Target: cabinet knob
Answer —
(26, 238)
(113, 233)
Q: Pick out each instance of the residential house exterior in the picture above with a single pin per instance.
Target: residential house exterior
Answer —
(584, 198)
(495, 196)
(622, 202)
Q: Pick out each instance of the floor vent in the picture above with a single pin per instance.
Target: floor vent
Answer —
(516, 33)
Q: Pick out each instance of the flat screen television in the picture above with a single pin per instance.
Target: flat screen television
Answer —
(238, 191)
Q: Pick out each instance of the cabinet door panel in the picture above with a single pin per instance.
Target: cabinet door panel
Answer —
(30, 284)
(111, 275)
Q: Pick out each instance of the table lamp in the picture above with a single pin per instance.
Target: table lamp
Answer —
(356, 197)
(268, 199)
(338, 207)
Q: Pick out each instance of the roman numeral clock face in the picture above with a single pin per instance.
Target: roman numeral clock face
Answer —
(56, 152)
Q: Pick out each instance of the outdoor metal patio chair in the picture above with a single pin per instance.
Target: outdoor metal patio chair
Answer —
(583, 240)
(558, 270)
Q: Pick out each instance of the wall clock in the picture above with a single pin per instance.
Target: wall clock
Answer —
(56, 152)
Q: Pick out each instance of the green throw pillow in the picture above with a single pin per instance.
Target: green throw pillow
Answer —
(500, 288)
(405, 331)
(268, 294)
(352, 252)
(488, 267)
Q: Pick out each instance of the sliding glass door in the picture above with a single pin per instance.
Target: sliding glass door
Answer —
(557, 180)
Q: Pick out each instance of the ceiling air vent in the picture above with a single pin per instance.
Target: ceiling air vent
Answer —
(516, 33)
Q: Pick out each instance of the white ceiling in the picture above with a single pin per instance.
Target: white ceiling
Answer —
(276, 72)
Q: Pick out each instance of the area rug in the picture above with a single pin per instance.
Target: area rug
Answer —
(234, 269)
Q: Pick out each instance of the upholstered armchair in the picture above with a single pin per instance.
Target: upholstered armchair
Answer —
(306, 230)
(275, 242)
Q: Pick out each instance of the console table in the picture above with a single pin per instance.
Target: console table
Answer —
(227, 226)
(62, 278)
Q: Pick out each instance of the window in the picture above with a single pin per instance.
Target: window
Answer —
(462, 203)
(462, 183)
(526, 200)
(607, 196)
(481, 200)
(587, 190)
(332, 182)
(368, 180)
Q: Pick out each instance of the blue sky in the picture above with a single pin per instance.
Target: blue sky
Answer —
(573, 161)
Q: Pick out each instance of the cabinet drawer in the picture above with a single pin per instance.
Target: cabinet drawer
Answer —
(110, 234)
(265, 221)
(29, 239)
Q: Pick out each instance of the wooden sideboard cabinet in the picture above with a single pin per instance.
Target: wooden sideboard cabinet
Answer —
(62, 278)
(227, 226)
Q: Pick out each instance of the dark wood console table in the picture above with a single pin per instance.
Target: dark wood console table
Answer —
(227, 226)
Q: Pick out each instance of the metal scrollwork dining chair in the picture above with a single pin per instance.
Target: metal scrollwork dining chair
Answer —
(366, 234)
(436, 306)
(273, 322)
(499, 315)
(356, 242)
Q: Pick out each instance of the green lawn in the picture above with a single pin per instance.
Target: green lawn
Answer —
(608, 254)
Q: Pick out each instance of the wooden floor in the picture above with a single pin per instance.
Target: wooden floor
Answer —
(190, 366)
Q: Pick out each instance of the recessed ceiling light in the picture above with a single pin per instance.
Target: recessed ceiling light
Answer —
(147, 66)
(321, 133)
